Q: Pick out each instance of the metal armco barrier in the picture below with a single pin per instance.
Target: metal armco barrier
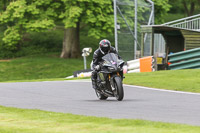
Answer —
(141, 65)
(133, 65)
(189, 59)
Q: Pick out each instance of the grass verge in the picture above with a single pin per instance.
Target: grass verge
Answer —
(40, 67)
(36, 121)
(179, 80)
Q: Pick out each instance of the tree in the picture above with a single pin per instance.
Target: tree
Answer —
(96, 14)
(24, 16)
(189, 7)
(161, 9)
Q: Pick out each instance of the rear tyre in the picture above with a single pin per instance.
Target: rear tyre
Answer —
(119, 91)
(100, 96)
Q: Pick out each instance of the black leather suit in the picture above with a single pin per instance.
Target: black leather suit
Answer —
(97, 57)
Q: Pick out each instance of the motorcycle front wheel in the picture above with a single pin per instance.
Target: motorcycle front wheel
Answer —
(119, 91)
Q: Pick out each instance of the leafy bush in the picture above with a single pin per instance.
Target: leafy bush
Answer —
(34, 43)
(51, 40)
(24, 51)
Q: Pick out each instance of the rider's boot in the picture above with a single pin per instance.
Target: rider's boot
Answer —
(94, 84)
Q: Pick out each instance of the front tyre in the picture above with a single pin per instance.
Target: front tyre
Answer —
(100, 96)
(119, 91)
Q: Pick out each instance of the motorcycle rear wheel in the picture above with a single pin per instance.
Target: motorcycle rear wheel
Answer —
(119, 91)
(100, 96)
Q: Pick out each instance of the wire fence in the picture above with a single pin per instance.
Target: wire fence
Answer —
(128, 15)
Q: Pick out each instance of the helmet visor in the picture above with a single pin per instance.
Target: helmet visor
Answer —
(105, 49)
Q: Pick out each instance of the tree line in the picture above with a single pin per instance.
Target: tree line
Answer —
(20, 17)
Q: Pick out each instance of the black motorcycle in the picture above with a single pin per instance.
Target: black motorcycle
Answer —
(109, 78)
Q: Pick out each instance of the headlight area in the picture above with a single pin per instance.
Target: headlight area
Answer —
(111, 68)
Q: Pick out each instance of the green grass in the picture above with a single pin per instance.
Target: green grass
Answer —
(180, 80)
(13, 120)
(39, 67)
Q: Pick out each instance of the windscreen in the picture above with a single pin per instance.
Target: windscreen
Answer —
(110, 57)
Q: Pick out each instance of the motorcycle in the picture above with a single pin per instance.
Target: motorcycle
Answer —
(110, 77)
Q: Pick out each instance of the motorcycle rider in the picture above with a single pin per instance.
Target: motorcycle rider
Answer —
(104, 48)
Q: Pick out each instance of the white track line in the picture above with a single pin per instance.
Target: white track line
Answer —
(154, 89)
(146, 88)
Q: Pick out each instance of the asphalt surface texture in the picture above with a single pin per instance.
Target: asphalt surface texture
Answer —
(78, 97)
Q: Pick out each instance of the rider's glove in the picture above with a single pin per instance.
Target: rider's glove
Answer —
(97, 67)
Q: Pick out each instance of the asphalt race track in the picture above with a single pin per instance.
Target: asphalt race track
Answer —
(78, 97)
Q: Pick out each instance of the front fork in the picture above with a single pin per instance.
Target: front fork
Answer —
(111, 79)
(109, 76)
